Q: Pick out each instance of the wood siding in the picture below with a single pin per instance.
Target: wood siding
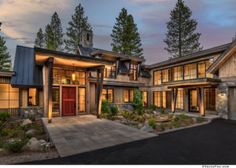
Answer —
(229, 68)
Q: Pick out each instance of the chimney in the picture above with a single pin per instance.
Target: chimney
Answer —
(86, 39)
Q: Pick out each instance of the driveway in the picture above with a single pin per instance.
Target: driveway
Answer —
(74, 135)
(214, 143)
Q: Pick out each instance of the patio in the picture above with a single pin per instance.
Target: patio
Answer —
(74, 135)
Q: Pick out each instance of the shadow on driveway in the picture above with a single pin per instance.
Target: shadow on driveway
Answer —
(214, 143)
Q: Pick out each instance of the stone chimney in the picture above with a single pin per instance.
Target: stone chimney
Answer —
(86, 39)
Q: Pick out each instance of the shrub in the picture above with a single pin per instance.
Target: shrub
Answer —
(162, 111)
(15, 146)
(105, 107)
(126, 114)
(4, 116)
(114, 110)
(152, 107)
(152, 122)
(138, 101)
(109, 111)
(200, 119)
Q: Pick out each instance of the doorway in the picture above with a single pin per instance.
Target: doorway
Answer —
(68, 101)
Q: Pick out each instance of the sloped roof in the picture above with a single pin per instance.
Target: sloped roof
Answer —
(200, 54)
(221, 59)
(27, 74)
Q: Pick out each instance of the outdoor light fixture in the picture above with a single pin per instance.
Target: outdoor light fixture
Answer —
(73, 76)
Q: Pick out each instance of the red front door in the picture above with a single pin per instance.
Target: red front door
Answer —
(68, 101)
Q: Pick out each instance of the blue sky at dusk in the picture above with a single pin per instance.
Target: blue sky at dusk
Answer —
(22, 19)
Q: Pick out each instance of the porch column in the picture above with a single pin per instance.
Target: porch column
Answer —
(173, 99)
(50, 82)
(100, 76)
(201, 101)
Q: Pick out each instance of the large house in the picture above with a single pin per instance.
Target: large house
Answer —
(65, 84)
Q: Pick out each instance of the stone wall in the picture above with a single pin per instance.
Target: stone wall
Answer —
(222, 100)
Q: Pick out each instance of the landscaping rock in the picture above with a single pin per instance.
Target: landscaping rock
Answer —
(163, 119)
(146, 128)
(26, 122)
(34, 145)
(31, 132)
(3, 152)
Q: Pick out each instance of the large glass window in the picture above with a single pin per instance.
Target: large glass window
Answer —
(165, 75)
(33, 97)
(56, 99)
(110, 72)
(178, 73)
(157, 77)
(9, 97)
(201, 70)
(107, 94)
(82, 100)
(210, 99)
(190, 71)
(145, 98)
(180, 99)
(208, 63)
(133, 72)
(128, 95)
(157, 99)
(68, 77)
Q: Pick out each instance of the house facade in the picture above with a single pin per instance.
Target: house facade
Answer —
(63, 84)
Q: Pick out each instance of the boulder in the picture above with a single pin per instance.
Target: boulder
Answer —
(163, 119)
(147, 128)
(31, 132)
(33, 145)
(26, 122)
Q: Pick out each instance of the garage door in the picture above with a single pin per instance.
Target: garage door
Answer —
(232, 103)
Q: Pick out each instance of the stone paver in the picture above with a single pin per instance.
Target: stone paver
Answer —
(74, 135)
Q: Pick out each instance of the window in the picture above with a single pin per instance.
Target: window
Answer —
(180, 99)
(157, 99)
(9, 97)
(208, 63)
(201, 70)
(178, 73)
(107, 94)
(165, 75)
(190, 71)
(88, 36)
(82, 100)
(145, 98)
(210, 99)
(33, 97)
(157, 77)
(133, 72)
(62, 76)
(56, 99)
(110, 72)
(128, 95)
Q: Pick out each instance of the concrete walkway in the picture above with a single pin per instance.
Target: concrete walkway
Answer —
(74, 135)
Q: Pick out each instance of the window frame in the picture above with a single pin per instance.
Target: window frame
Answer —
(159, 81)
(37, 97)
(129, 95)
(107, 94)
(133, 72)
(112, 70)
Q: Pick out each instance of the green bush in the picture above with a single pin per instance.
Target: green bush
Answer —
(15, 146)
(138, 102)
(114, 110)
(126, 114)
(152, 107)
(200, 119)
(105, 107)
(152, 122)
(4, 116)
(109, 111)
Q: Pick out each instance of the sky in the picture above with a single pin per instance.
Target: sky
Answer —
(22, 18)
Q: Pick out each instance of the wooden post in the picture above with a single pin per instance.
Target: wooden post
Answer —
(50, 82)
(173, 99)
(202, 103)
(100, 77)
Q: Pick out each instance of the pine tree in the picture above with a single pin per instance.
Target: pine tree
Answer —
(5, 58)
(181, 38)
(39, 41)
(77, 25)
(125, 36)
(54, 34)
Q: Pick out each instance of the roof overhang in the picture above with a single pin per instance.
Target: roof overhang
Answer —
(6, 73)
(223, 58)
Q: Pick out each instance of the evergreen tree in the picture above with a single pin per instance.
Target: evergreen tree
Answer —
(77, 25)
(39, 41)
(5, 58)
(125, 36)
(54, 34)
(181, 38)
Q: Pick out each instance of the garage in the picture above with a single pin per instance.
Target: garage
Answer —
(232, 103)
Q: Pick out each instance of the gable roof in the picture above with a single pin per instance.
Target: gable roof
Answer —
(199, 54)
(223, 58)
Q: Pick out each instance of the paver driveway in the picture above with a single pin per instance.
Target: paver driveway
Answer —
(214, 143)
(74, 135)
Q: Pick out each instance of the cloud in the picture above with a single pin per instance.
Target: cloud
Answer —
(23, 18)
